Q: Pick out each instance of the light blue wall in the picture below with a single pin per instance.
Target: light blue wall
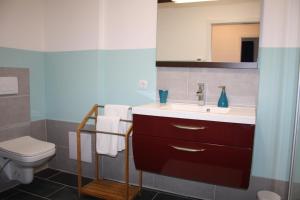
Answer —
(33, 60)
(76, 80)
(71, 84)
(296, 172)
(123, 69)
(64, 85)
(276, 111)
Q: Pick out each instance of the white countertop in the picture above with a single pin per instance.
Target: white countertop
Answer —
(242, 115)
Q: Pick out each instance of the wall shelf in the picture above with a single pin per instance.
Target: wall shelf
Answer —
(191, 64)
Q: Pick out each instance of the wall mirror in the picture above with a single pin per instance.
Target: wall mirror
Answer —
(213, 33)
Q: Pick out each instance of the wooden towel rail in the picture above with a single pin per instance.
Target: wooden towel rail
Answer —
(101, 188)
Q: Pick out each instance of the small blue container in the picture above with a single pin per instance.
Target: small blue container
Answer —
(163, 96)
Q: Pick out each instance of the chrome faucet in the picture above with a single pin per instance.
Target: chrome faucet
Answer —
(201, 94)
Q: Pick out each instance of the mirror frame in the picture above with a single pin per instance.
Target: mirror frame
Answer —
(197, 64)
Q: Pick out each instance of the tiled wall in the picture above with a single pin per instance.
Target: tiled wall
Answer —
(180, 83)
(15, 109)
(58, 133)
(241, 84)
(15, 114)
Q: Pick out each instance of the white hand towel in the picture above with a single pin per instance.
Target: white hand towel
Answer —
(121, 111)
(105, 143)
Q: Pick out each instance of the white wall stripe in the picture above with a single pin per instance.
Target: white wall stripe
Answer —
(71, 25)
(281, 24)
(130, 24)
(22, 24)
(67, 25)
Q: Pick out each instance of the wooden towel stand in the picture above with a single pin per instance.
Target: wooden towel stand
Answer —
(101, 188)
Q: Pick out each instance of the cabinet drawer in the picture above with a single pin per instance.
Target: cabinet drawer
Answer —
(214, 164)
(239, 135)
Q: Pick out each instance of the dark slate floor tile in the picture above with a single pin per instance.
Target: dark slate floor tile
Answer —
(8, 193)
(146, 194)
(165, 196)
(70, 194)
(68, 179)
(41, 187)
(24, 196)
(46, 173)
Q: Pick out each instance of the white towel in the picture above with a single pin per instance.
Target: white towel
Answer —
(105, 143)
(121, 111)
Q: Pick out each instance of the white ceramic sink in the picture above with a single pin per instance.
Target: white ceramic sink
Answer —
(194, 108)
(244, 115)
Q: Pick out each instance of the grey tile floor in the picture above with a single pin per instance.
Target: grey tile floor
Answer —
(51, 184)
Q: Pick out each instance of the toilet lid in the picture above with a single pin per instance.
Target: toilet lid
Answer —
(26, 146)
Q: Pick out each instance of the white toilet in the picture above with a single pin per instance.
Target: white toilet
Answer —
(19, 157)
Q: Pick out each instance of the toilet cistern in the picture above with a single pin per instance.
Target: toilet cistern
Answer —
(201, 94)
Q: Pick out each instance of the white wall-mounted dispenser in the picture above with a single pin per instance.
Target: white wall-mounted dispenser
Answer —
(9, 85)
(86, 147)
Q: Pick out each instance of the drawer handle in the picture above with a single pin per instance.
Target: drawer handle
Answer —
(195, 128)
(187, 149)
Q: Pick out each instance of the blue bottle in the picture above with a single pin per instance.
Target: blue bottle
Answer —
(223, 101)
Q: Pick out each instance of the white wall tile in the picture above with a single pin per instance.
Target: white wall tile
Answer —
(175, 80)
(241, 84)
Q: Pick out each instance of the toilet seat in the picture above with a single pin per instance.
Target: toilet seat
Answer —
(26, 149)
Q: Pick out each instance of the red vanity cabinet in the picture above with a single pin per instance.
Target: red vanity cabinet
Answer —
(207, 151)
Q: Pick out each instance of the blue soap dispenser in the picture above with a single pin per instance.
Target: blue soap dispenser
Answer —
(223, 101)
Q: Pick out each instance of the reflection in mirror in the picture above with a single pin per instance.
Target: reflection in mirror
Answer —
(216, 31)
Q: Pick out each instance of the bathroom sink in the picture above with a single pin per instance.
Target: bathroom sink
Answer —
(244, 115)
(195, 108)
